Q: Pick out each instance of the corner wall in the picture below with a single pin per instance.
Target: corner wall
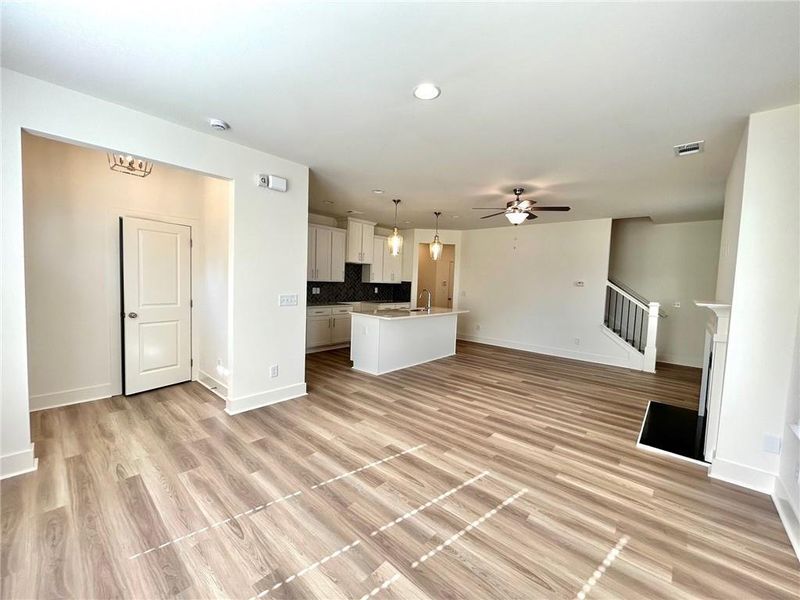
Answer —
(267, 249)
(764, 311)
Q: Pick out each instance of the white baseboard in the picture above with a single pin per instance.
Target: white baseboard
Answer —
(788, 513)
(602, 359)
(67, 397)
(215, 386)
(743, 475)
(18, 463)
(681, 359)
(326, 348)
(240, 405)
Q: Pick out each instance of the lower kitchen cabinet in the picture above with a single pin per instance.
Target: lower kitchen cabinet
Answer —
(327, 326)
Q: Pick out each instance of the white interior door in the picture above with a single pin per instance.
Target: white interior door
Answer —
(156, 287)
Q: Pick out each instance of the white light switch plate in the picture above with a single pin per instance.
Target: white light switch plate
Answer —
(287, 300)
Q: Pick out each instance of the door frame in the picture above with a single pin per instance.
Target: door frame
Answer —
(114, 273)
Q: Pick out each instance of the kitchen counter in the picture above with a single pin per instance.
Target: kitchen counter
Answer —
(382, 341)
(406, 313)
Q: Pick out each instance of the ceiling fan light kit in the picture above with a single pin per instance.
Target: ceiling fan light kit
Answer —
(436, 247)
(518, 211)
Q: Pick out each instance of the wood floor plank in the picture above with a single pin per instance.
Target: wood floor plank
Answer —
(164, 495)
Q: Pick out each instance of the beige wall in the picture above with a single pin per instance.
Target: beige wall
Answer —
(669, 263)
(72, 204)
(434, 274)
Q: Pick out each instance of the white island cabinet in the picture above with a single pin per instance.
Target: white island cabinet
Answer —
(387, 340)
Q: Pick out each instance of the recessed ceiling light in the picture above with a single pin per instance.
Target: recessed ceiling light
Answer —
(377, 191)
(218, 124)
(406, 222)
(426, 91)
(455, 216)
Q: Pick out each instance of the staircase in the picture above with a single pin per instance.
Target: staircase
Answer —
(634, 320)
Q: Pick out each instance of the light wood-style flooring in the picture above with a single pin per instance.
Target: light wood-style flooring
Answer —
(490, 474)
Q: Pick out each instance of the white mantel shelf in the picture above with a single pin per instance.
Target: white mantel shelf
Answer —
(389, 340)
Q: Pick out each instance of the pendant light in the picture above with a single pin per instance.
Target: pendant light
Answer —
(395, 241)
(436, 246)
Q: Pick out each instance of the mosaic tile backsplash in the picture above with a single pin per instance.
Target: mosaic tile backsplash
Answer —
(353, 290)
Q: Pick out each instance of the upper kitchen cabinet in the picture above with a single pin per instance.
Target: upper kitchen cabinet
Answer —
(385, 268)
(326, 249)
(359, 240)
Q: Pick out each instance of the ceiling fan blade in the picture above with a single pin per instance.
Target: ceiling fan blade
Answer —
(532, 216)
(494, 215)
(559, 208)
(486, 208)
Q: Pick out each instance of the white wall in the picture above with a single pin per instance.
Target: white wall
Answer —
(787, 486)
(519, 285)
(668, 263)
(734, 186)
(72, 206)
(267, 251)
(211, 308)
(764, 312)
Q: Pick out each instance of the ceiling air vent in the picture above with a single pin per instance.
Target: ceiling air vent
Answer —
(690, 148)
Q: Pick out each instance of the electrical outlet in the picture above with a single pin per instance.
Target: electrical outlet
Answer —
(376, 290)
(577, 341)
(315, 290)
(273, 371)
(772, 444)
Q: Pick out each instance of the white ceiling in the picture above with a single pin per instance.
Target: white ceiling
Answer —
(580, 102)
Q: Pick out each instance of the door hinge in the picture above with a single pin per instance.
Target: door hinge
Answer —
(191, 303)
(191, 362)
(191, 243)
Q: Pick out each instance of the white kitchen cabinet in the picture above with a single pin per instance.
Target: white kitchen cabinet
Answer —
(359, 240)
(385, 268)
(373, 273)
(340, 332)
(338, 242)
(325, 253)
(327, 326)
(392, 266)
(318, 331)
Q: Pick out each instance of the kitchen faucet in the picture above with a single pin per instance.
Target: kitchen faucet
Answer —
(429, 297)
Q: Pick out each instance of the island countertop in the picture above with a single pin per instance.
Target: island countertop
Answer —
(405, 313)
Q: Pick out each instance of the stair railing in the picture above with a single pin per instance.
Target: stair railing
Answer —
(635, 320)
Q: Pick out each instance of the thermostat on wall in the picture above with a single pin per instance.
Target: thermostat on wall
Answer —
(273, 182)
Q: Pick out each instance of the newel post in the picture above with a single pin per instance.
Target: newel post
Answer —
(652, 333)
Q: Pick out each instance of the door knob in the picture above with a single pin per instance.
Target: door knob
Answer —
(132, 315)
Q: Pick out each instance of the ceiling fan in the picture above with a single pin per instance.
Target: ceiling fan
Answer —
(518, 211)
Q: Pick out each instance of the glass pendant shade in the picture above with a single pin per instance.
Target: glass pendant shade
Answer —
(516, 217)
(436, 248)
(395, 242)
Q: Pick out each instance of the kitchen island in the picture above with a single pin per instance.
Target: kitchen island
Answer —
(387, 340)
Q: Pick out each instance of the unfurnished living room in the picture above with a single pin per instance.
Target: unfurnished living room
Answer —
(393, 300)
